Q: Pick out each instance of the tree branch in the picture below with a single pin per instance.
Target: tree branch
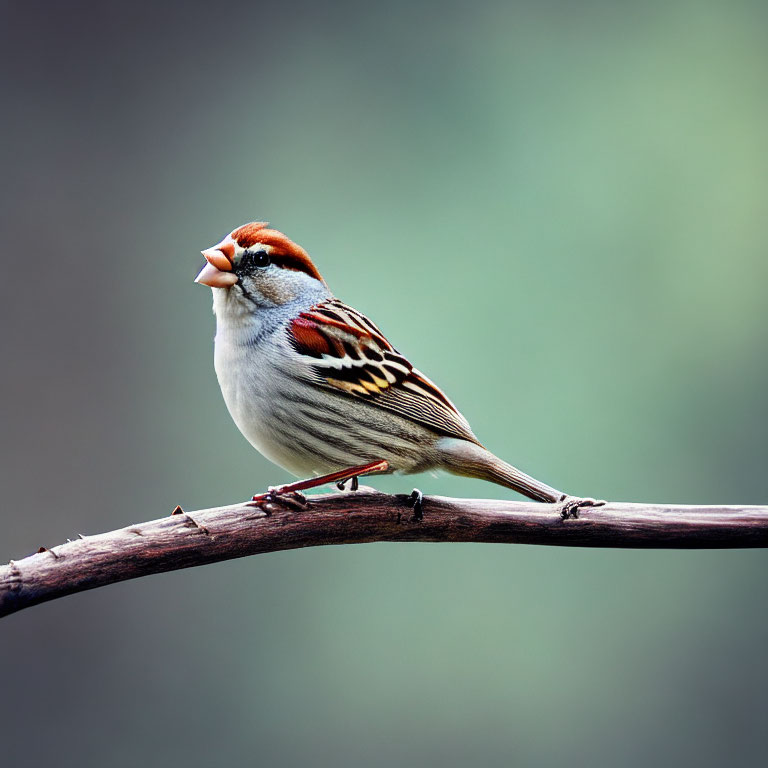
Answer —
(184, 540)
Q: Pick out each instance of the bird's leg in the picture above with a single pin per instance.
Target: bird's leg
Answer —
(416, 500)
(291, 495)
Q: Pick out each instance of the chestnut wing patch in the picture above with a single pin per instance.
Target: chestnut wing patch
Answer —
(346, 351)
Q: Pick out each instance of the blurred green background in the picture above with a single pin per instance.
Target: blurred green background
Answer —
(558, 210)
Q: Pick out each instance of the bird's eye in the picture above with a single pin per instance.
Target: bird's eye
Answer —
(261, 259)
(251, 260)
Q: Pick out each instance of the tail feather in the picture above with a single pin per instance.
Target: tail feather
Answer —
(471, 460)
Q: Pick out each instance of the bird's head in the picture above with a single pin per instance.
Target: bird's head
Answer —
(258, 265)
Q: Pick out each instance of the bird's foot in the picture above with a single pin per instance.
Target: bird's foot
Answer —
(354, 484)
(416, 500)
(570, 505)
(279, 497)
(290, 495)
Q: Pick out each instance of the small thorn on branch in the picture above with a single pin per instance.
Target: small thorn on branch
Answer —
(40, 550)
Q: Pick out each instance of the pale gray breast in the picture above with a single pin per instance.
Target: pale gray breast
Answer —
(250, 377)
(250, 360)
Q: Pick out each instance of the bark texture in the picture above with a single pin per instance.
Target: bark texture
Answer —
(183, 540)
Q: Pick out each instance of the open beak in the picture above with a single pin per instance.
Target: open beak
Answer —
(217, 273)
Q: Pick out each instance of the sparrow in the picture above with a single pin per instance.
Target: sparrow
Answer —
(317, 388)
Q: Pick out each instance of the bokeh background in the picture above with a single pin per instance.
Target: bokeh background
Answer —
(558, 210)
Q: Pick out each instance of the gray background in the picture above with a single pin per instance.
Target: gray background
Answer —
(557, 210)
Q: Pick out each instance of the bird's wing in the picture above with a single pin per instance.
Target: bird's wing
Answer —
(344, 350)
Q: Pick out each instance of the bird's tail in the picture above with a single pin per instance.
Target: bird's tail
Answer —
(461, 457)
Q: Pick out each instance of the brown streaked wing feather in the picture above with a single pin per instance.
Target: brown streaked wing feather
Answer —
(348, 352)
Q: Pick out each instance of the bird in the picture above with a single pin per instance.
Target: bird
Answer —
(319, 390)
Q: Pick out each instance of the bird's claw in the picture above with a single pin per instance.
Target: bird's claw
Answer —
(275, 498)
(570, 505)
